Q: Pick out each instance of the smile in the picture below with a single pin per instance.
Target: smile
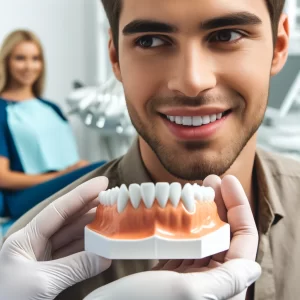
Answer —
(195, 121)
(195, 127)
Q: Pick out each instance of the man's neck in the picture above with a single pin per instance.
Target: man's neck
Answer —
(242, 168)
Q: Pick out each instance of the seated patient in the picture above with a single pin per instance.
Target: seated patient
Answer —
(38, 152)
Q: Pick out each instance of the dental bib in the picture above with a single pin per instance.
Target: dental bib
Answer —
(162, 221)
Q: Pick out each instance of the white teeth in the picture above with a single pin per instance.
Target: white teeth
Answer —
(175, 193)
(114, 195)
(188, 197)
(213, 118)
(162, 191)
(208, 194)
(198, 192)
(197, 121)
(204, 194)
(178, 120)
(101, 197)
(148, 193)
(107, 197)
(123, 198)
(187, 121)
(206, 120)
(135, 195)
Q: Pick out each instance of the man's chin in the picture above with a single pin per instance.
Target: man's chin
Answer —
(195, 167)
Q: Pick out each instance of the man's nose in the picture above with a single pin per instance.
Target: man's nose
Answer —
(192, 72)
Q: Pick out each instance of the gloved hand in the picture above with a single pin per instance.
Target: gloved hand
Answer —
(210, 278)
(218, 284)
(27, 271)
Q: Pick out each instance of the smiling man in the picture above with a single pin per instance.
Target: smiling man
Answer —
(196, 76)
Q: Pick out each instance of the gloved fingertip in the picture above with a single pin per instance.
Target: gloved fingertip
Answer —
(98, 264)
(246, 270)
(254, 272)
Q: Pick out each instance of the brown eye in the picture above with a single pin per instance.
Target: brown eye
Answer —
(226, 36)
(150, 42)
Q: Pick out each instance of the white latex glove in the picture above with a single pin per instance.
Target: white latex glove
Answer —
(221, 276)
(221, 283)
(26, 269)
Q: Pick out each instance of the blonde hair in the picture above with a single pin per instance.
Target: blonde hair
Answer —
(9, 44)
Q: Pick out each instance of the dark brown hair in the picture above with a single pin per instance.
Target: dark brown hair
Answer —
(113, 10)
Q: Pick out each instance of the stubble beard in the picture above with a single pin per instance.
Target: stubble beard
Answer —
(190, 161)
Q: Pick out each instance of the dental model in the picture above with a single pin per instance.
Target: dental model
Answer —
(162, 221)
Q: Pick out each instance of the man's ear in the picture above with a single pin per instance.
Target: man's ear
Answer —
(114, 58)
(281, 49)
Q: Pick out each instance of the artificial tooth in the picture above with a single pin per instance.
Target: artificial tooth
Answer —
(135, 195)
(213, 118)
(178, 120)
(101, 197)
(162, 191)
(198, 194)
(123, 198)
(107, 197)
(219, 116)
(208, 194)
(175, 193)
(187, 121)
(188, 197)
(148, 193)
(104, 198)
(197, 121)
(114, 196)
(206, 120)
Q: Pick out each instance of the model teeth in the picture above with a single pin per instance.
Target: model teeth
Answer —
(123, 198)
(175, 193)
(188, 197)
(148, 193)
(114, 195)
(195, 121)
(162, 192)
(135, 195)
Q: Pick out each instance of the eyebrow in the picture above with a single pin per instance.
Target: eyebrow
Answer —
(241, 18)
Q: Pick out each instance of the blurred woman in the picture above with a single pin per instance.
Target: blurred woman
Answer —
(38, 152)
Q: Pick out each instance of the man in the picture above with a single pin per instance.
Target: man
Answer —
(196, 77)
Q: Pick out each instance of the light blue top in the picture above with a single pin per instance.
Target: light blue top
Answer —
(43, 139)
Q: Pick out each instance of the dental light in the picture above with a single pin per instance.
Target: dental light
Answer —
(102, 107)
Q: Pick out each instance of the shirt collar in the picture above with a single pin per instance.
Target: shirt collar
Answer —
(270, 207)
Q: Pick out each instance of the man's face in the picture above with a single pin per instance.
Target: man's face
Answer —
(196, 78)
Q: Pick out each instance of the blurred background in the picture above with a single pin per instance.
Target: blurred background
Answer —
(74, 37)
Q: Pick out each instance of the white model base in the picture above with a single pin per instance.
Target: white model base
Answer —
(157, 247)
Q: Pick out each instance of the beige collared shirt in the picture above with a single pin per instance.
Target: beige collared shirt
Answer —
(278, 184)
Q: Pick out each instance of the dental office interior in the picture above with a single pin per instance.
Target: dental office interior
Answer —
(79, 80)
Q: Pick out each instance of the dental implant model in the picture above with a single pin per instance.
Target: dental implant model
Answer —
(162, 221)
